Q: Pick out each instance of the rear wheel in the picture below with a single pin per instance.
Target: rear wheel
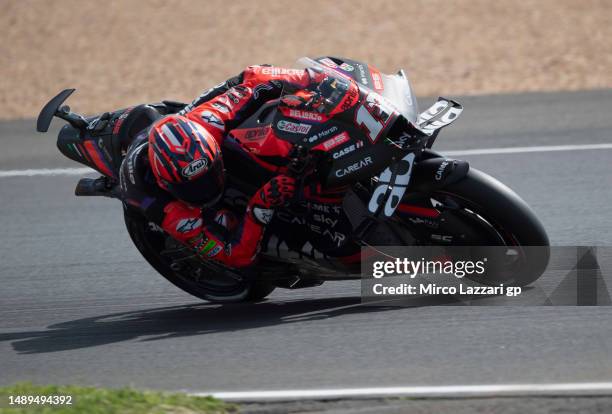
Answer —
(185, 270)
(477, 211)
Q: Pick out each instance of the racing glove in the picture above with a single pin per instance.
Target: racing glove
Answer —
(275, 193)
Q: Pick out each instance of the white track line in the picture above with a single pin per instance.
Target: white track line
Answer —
(482, 151)
(520, 150)
(45, 171)
(443, 391)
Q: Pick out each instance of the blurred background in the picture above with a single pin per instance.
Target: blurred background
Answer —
(118, 53)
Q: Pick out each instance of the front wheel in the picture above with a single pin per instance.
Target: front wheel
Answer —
(183, 269)
(478, 210)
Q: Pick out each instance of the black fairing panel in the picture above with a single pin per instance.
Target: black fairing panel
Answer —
(66, 142)
(364, 163)
(434, 171)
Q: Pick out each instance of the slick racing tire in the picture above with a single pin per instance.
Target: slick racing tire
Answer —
(481, 211)
(179, 266)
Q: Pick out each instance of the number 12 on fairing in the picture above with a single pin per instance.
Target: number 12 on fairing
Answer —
(373, 116)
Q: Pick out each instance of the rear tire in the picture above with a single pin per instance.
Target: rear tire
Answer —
(151, 242)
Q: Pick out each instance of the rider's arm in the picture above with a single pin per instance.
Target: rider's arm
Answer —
(258, 85)
(213, 92)
(240, 249)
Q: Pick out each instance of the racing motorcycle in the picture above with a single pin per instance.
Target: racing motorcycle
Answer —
(357, 185)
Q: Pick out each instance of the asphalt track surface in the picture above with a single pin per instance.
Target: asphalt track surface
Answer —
(79, 305)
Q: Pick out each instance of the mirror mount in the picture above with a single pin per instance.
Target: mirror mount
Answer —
(54, 108)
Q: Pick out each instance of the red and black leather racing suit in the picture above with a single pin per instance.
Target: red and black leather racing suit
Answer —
(215, 233)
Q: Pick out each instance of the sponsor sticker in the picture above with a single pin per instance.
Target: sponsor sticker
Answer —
(346, 67)
(220, 107)
(195, 167)
(350, 99)
(155, 227)
(377, 79)
(354, 167)
(440, 171)
(188, 224)
(120, 120)
(363, 75)
(236, 93)
(270, 70)
(255, 134)
(305, 115)
(329, 63)
(334, 141)
(321, 134)
(198, 242)
(214, 251)
(263, 215)
(213, 120)
(293, 127)
(347, 150)
(208, 247)
(261, 88)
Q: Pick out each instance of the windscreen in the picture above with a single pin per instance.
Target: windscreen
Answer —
(394, 88)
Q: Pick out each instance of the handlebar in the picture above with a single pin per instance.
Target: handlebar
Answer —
(74, 119)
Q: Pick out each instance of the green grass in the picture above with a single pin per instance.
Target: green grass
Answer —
(89, 400)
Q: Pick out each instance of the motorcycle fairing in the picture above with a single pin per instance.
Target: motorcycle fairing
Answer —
(434, 171)
(439, 115)
(392, 185)
(394, 88)
(86, 150)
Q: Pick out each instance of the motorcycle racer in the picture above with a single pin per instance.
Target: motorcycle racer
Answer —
(173, 170)
(353, 150)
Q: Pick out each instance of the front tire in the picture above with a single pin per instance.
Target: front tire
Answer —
(493, 215)
(511, 216)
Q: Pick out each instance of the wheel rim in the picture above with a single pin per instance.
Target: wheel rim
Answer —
(191, 271)
(514, 257)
